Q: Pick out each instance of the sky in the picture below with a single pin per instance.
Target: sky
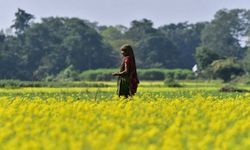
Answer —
(120, 12)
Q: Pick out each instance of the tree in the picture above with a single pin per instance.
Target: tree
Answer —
(84, 45)
(221, 38)
(42, 47)
(2, 37)
(22, 21)
(186, 38)
(225, 69)
(140, 29)
(114, 36)
(204, 57)
(11, 64)
(12, 52)
(223, 33)
(111, 33)
(246, 61)
(156, 51)
(57, 43)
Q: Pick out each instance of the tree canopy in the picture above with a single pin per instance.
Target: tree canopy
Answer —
(56, 46)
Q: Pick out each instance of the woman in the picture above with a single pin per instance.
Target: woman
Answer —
(127, 77)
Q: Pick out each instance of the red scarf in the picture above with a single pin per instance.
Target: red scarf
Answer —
(133, 78)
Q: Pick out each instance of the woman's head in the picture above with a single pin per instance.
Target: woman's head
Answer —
(126, 50)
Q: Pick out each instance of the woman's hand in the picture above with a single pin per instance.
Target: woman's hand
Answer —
(115, 74)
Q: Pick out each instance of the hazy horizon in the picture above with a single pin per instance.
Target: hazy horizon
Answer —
(113, 12)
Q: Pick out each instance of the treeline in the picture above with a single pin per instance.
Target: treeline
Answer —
(66, 78)
(47, 49)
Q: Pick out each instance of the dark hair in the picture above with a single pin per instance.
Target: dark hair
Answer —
(127, 48)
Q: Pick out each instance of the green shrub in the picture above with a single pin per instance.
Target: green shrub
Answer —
(17, 84)
(151, 75)
(10, 83)
(68, 74)
(226, 69)
(97, 75)
(143, 74)
(171, 82)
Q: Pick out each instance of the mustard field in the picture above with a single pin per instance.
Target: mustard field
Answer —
(196, 116)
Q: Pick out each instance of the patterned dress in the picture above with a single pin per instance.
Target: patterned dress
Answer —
(128, 82)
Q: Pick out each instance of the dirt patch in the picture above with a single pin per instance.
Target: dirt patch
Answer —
(232, 89)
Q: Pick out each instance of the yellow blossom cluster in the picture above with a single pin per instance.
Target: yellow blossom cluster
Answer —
(136, 123)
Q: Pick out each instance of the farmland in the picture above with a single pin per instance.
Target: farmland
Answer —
(196, 116)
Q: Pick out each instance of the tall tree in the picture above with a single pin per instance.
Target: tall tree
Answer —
(223, 33)
(11, 64)
(115, 37)
(43, 41)
(156, 51)
(222, 36)
(22, 21)
(140, 29)
(246, 62)
(57, 43)
(204, 57)
(186, 37)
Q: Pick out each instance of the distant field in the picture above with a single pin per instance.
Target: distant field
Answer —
(196, 116)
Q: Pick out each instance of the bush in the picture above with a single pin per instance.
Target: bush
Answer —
(226, 69)
(10, 83)
(97, 75)
(171, 82)
(151, 75)
(161, 74)
(18, 83)
(68, 74)
(143, 74)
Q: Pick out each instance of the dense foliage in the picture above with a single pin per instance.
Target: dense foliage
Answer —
(55, 46)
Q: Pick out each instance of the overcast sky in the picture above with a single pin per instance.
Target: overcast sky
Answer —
(114, 12)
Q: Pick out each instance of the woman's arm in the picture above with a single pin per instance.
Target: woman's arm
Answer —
(125, 71)
(126, 68)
